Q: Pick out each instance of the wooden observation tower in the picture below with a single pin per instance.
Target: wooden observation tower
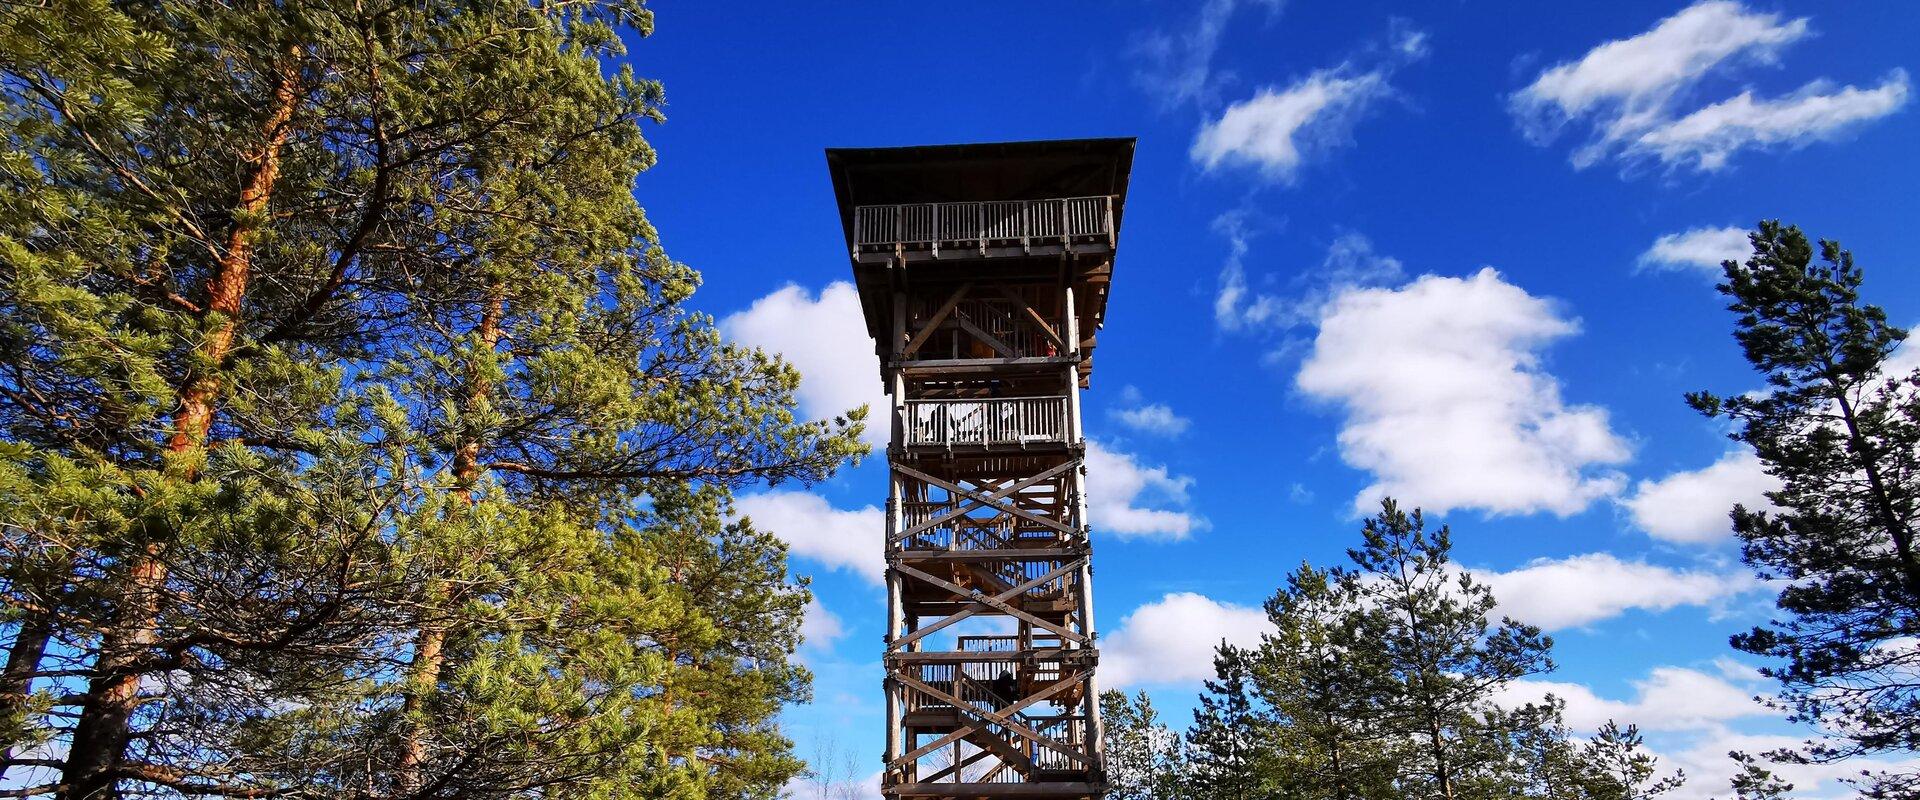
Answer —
(983, 273)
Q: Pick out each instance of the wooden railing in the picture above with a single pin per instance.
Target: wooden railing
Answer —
(979, 224)
(999, 422)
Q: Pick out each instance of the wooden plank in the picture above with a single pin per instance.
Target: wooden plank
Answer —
(987, 791)
(985, 657)
(958, 366)
(1023, 554)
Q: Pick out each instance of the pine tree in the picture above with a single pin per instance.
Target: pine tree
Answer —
(332, 339)
(1441, 659)
(1618, 767)
(1144, 758)
(1227, 744)
(1842, 436)
(1311, 676)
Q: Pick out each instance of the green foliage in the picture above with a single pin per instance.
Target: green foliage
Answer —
(354, 437)
(1378, 682)
(1145, 758)
(1841, 432)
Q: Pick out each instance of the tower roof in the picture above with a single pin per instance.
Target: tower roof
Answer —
(984, 171)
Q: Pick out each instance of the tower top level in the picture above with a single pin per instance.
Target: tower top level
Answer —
(1002, 211)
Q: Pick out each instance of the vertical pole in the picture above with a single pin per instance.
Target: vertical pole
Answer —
(1095, 731)
(896, 617)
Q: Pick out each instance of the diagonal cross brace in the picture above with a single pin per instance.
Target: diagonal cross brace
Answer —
(976, 499)
(998, 602)
(982, 602)
(983, 717)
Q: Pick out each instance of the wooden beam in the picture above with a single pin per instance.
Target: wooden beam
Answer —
(999, 717)
(997, 601)
(1021, 303)
(976, 499)
(933, 323)
(978, 604)
(1004, 349)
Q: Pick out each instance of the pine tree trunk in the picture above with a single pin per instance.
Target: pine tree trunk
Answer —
(1882, 502)
(100, 736)
(429, 646)
(16, 681)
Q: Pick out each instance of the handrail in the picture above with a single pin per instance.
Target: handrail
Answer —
(1003, 421)
(977, 223)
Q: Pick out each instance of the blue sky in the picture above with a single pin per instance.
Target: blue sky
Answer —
(1456, 251)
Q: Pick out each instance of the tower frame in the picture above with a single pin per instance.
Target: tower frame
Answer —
(982, 272)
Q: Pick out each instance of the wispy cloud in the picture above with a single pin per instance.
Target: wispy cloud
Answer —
(1635, 93)
(1350, 262)
(1176, 68)
(1279, 128)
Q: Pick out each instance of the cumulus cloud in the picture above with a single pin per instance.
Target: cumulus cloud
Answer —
(1635, 93)
(833, 538)
(1581, 590)
(1447, 404)
(1691, 507)
(1121, 494)
(1697, 250)
(1176, 68)
(825, 337)
(1171, 640)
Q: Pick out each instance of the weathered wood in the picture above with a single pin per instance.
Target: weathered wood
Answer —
(933, 323)
(986, 514)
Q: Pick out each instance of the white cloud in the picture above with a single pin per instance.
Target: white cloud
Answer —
(1119, 490)
(1154, 418)
(825, 337)
(1171, 640)
(1634, 92)
(1581, 590)
(1177, 69)
(1691, 507)
(1708, 137)
(1668, 699)
(1276, 129)
(1697, 249)
(820, 628)
(1158, 419)
(1350, 262)
(815, 530)
(1447, 404)
(1694, 717)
